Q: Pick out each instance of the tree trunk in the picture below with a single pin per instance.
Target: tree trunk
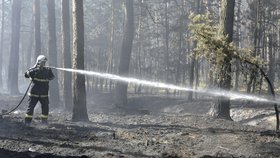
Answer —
(278, 49)
(166, 44)
(179, 69)
(121, 87)
(271, 63)
(67, 80)
(30, 44)
(237, 62)
(79, 90)
(197, 68)
(52, 50)
(2, 43)
(14, 55)
(252, 76)
(222, 108)
(138, 65)
(37, 12)
(112, 42)
(193, 58)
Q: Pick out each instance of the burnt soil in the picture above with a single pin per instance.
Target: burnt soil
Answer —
(151, 126)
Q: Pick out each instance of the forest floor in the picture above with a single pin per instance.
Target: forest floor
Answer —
(152, 126)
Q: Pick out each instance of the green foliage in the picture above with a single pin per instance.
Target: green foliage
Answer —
(209, 43)
(214, 47)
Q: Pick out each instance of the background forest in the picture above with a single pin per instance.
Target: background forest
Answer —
(164, 46)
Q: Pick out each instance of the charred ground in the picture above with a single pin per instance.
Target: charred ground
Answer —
(152, 126)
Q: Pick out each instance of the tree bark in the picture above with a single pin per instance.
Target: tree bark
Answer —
(138, 65)
(166, 60)
(31, 43)
(52, 50)
(193, 58)
(2, 43)
(237, 63)
(252, 76)
(121, 87)
(112, 44)
(271, 63)
(37, 13)
(14, 55)
(79, 90)
(222, 108)
(67, 80)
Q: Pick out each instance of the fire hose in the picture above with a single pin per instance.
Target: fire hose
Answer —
(12, 110)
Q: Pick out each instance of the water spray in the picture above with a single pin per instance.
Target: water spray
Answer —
(223, 93)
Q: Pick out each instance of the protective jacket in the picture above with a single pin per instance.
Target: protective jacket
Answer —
(40, 77)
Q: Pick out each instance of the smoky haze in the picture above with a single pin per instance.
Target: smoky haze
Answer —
(149, 40)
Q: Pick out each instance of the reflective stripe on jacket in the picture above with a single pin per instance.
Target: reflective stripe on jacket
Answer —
(40, 77)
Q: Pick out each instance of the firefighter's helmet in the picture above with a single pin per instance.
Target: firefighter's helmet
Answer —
(41, 60)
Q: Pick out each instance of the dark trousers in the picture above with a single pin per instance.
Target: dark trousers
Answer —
(44, 105)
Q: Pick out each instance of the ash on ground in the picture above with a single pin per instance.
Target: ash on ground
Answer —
(151, 126)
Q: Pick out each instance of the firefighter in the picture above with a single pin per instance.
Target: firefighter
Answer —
(40, 77)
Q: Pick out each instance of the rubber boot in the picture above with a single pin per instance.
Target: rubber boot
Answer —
(44, 121)
(27, 121)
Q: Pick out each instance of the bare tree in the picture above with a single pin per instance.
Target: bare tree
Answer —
(67, 81)
(79, 100)
(121, 87)
(112, 43)
(31, 43)
(2, 42)
(271, 62)
(167, 32)
(14, 55)
(37, 23)
(52, 50)
(139, 55)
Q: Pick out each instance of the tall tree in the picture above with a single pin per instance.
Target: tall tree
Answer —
(31, 42)
(271, 62)
(238, 41)
(14, 54)
(79, 100)
(2, 43)
(193, 58)
(52, 50)
(112, 43)
(167, 32)
(271, 15)
(256, 31)
(67, 82)
(37, 23)
(222, 108)
(121, 87)
(139, 55)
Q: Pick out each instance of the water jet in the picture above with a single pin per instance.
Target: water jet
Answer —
(229, 94)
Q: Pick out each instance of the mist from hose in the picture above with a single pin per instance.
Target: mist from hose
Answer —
(223, 93)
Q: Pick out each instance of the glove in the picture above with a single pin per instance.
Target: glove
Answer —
(26, 74)
(50, 74)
